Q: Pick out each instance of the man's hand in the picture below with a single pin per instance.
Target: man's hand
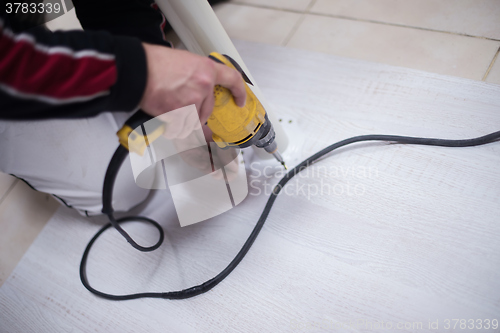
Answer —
(178, 78)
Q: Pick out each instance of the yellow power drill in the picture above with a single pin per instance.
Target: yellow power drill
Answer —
(231, 125)
(242, 127)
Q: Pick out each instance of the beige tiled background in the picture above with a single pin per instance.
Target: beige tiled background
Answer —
(452, 37)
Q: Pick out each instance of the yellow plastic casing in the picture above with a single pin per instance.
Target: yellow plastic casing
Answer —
(138, 142)
(232, 125)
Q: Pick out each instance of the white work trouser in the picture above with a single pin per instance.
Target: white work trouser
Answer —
(68, 159)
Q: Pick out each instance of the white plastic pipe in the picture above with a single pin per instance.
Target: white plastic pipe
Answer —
(201, 32)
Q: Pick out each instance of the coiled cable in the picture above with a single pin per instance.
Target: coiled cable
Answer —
(121, 153)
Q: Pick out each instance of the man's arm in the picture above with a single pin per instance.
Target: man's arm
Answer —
(47, 74)
(80, 74)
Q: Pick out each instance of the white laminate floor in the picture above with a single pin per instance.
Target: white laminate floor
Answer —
(406, 235)
(452, 37)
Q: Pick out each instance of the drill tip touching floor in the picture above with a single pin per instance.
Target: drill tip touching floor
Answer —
(279, 158)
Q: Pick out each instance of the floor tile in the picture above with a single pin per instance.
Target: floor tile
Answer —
(471, 17)
(6, 182)
(494, 74)
(256, 24)
(23, 214)
(441, 53)
(298, 5)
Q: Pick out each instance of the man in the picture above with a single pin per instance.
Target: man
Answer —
(120, 63)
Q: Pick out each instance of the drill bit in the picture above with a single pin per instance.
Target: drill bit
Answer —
(279, 158)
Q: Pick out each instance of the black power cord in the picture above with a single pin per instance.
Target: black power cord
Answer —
(121, 153)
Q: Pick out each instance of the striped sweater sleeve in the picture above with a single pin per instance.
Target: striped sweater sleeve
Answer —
(68, 74)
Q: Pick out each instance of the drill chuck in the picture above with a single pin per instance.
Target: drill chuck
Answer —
(267, 141)
(266, 138)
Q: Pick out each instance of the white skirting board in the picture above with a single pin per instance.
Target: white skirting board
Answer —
(408, 235)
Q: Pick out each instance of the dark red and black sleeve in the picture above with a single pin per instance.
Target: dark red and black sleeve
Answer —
(68, 74)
